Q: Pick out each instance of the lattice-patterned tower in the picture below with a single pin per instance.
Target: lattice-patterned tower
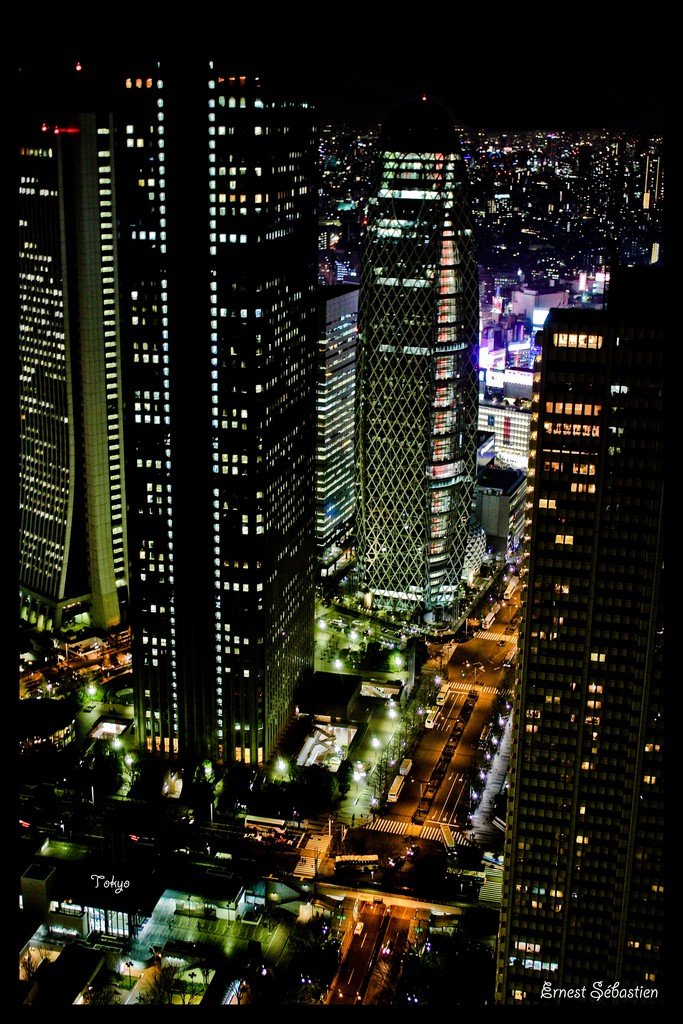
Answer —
(417, 369)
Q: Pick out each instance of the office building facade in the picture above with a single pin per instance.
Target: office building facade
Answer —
(218, 174)
(335, 484)
(583, 898)
(500, 501)
(72, 506)
(510, 421)
(188, 323)
(417, 369)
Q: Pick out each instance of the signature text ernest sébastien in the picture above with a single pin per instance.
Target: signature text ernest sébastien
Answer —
(598, 991)
(110, 883)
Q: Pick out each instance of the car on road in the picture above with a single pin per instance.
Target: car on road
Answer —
(501, 643)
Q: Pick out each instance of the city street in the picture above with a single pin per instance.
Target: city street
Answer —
(479, 665)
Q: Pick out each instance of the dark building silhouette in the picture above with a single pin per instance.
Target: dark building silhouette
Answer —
(583, 898)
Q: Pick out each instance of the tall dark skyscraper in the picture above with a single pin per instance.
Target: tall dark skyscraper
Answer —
(417, 368)
(222, 309)
(213, 197)
(583, 899)
(72, 505)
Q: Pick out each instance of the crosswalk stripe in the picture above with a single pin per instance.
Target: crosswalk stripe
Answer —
(427, 832)
(388, 825)
(430, 833)
(466, 687)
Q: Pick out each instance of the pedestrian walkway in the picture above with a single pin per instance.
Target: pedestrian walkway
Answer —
(492, 889)
(466, 687)
(489, 634)
(315, 845)
(486, 829)
(311, 852)
(432, 832)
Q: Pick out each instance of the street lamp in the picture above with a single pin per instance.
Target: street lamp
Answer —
(474, 670)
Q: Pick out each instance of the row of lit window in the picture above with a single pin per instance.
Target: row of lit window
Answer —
(572, 429)
(563, 340)
(577, 468)
(573, 408)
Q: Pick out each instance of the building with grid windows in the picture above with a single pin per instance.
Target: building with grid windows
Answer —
(510, 422)
(583, 897)
(191, 324)
(334, 486)
(219, 289)
(417, 369)
(73, 566)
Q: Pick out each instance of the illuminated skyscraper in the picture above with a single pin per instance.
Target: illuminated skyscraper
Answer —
(219, 287)
(335, 489)
(197, 212)
(417, 368)
(72, 505)
(583, 898)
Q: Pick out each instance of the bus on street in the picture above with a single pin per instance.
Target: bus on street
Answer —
(364, 861)
(265, 826)
(396, 787)
(431, 718)
(449, 841)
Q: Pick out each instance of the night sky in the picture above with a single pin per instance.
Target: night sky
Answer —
(513, 69)
(616, 102)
